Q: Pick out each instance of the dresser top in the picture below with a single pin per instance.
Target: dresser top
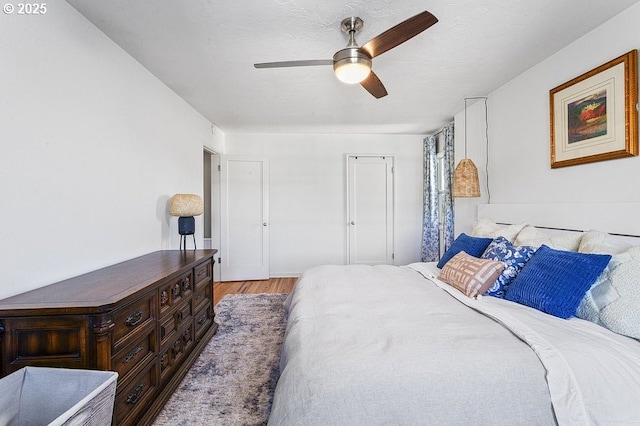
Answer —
(99, 290)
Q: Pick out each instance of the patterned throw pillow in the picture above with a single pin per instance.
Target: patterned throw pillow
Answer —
(471, 245)
(469, 274)
(614, 300)
(555, 281)
(514, 258)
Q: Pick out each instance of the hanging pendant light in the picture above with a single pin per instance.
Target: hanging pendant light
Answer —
(465, 180)
(466, 183)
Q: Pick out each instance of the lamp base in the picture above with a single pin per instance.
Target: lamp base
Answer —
(183, 242)
(186, 226)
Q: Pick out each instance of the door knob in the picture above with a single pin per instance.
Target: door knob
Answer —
(264, 223)
(353, 222)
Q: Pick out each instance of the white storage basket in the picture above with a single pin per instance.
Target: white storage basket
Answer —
(57, 396)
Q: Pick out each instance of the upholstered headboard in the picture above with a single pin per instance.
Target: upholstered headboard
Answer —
(621, 219)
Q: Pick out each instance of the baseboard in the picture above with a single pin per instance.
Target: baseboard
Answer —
(284, 274)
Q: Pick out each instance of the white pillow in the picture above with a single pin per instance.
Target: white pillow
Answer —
(603, 243)
(532, 236)
(489, 229)
(614, 300)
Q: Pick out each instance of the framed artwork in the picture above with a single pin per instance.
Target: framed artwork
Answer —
(594, 117)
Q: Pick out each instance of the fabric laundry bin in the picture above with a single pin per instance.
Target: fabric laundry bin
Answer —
(57, 396)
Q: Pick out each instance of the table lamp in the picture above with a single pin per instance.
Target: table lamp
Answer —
(186, 206)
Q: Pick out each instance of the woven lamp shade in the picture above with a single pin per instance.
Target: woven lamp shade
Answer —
(186, 205)
(465, 180)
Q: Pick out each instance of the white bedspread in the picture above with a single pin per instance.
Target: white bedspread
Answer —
(383, 345)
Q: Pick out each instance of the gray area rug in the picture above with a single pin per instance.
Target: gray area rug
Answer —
(232, 381)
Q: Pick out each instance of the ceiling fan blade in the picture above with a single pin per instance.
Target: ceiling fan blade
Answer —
(283, 64)
(399, 34)
(374, 86)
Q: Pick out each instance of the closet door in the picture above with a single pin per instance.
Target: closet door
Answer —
(244, 249)
(370, 209)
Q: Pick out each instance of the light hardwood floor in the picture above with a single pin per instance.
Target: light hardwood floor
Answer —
(272, 285)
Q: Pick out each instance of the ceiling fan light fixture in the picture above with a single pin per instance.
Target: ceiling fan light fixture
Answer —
(352, 72)
(351, 66)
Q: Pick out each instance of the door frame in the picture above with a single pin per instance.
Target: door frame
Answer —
(391, 224)
(214, 206)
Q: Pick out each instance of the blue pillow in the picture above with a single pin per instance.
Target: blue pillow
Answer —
(473, 246)
(555, 281)
(514, 259)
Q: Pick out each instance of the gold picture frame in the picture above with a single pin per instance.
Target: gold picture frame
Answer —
(594, 117)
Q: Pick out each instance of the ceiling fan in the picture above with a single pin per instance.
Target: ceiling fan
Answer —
(353, 63)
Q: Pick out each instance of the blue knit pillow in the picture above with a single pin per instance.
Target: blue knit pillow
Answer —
(514, 259)
(473, 246)
(555, 281)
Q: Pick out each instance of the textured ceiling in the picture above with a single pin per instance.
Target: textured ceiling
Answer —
(205, 50)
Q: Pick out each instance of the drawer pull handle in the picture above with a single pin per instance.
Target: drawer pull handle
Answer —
(180, 316)
(176, 348)
(186, 284)
(132, 354)
(134, 318)
(198, 296)
(202, 320)
(164, 297)
(135, 394)
(164, 361)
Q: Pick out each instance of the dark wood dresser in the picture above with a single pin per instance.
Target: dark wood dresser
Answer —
(147, 318)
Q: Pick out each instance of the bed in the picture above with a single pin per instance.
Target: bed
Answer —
(396, 345)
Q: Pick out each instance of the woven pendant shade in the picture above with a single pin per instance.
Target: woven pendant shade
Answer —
(465, 180)
(186, 205)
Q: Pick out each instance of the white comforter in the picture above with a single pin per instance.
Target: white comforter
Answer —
(384, 345)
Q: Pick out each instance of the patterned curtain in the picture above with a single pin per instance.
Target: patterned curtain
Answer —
(447, 196)
(436, 203)
(430, 221)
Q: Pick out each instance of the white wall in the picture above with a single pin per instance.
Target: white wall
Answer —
(93, 145)
(519, 165)
(307, 194)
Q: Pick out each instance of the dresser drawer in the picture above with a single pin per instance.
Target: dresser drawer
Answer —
(203, 272)
(132, 318)
(173, 321)
(134, 356)
(167, 330)
(42, 341)
(202, 297)
(135, 396)
(174, 291)
(202, 320)
(173, 353)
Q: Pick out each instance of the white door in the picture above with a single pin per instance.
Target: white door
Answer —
(370, 209)
(244, 249)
